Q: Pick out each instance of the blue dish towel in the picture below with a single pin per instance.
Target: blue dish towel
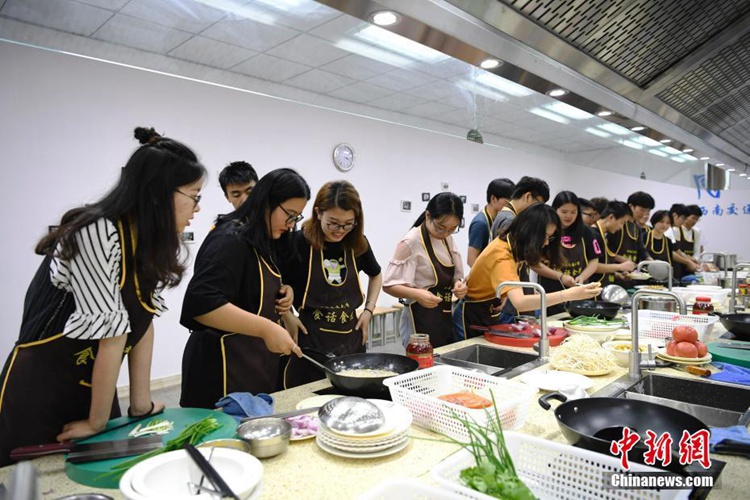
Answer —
(731, 373)
(243, 404)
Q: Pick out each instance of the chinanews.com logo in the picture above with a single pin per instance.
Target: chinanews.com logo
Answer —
(692, 448)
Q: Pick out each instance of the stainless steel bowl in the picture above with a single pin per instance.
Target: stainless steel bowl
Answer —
(267, 436)
(657, 303)
(235, 444)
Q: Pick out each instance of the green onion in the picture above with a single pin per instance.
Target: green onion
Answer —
(595, 321)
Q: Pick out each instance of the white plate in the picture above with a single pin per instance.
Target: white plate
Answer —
(553, 380)
(639, 276)
(684, 361)
(397, 419)
(347, 454)
(363, 449)
(334, 440)
(167, 475)
(315, 401)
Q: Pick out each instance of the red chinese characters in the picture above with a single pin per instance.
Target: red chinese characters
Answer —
(692, 448)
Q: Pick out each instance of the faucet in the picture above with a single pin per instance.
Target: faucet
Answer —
(635, 355)
(733, 302)
(658, 263)
(714, 254)
(543, 341)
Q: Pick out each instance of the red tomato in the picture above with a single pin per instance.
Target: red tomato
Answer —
(685, 334)
(685, 350)
(670, 347)
(702, 349)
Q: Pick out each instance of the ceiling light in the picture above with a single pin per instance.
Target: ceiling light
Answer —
(385, 18)
(719, 165)
(375, 53)
(632, 144)
(490, 64)
(503, 85)
(688, 150)
(597, 132)
(638, 128)
(688, 157)
(613, 128)
(704, 158)
(665, 141)
(557, 92)
(743, 174)
(656, 152)
(549, 115)
(399, 44)
(647, 141)
(605, 113)
(567, 110)
(671, 150)
(731, 169)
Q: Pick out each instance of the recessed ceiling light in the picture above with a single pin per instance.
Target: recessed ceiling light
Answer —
(688, 150)
(731, 169)
(665, 141)
(605, 113)
(385, 18)
(704, 158)
(638, 128)
(719, 165)
(743, 174)
(557, 92)
(490, 64)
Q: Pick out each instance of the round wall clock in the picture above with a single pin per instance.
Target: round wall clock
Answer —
(343, 157)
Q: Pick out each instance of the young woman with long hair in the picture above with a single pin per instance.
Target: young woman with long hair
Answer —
(426, 271)
(231, 304)
(533, 236)
(93, 297)
(322, 263)
(658, 245)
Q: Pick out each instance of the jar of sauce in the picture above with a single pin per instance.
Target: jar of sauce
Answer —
(703, 305)
(420, 349)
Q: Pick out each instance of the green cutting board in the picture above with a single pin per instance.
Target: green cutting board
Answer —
(737, 357)
(93, 473)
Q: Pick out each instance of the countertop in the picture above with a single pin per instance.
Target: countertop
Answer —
(305, 471)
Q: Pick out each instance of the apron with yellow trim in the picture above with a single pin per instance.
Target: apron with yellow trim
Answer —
(576, 261)
(46, 382)
(328, 311)
(608, 258)
(628, 248)
(687, 245)
(657, 251)
(436, 321)
(217, 363)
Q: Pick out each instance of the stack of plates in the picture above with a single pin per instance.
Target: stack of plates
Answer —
(391, 438)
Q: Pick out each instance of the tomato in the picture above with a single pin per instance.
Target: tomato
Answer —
(670, 347)
(685, 350)
(685, 333)
(702, 349)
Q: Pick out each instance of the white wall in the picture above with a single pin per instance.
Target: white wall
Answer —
(67, 129)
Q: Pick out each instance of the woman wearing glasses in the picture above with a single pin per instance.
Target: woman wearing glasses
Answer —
(533, 235)
(322, 263)
(426, 271)
(230, 304)
(93, 298)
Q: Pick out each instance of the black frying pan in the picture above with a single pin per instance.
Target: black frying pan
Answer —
(738, 324)
(366, 386)
(602, 309)
(593, 423)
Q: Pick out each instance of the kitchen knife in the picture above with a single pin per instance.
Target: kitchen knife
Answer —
(745, 347)
(694, 370)
(90, 452)
(293, 413)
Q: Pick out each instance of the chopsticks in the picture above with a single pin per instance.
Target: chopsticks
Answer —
(211, 474)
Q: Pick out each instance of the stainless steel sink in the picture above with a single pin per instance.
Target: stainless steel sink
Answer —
(714, 403)
(490, 360)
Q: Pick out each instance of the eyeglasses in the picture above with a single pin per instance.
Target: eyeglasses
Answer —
(341, 227)
(196, 199)
(290, 217)
(439, 228)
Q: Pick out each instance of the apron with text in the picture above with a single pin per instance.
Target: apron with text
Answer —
(436, 321)
(328, 311)
(658, 248)
(47, 382)
(576, 262)
(628, 247)
(217, 363)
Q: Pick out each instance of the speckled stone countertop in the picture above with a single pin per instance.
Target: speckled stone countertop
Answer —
(306, 471)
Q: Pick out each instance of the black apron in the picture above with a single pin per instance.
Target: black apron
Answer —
(628, 247)
(217, 363)
(687, 245)
(436, 321)
(576, 261)
(488, 220)
(678, 270)
(658, 249)
(328, 311)
(47, 381)
(604, 278)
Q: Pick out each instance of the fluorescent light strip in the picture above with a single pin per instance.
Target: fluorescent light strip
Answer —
(597, 132)
(549, 115)
(503, 85)
(646, 141)
(615, 129)
(632, 144)
(657, 152)
(672, 151)
(246, 11)
(486, 92)
(567, 110)
(399, 44)
(370, 52)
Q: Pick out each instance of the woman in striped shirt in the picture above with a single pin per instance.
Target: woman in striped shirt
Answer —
(92, 300)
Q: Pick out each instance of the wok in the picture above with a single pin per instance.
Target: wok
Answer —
(602, 309)
(367, 386)
(593, 423)
(738, 324)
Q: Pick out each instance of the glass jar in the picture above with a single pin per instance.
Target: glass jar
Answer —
(420, 349)
(703, 305)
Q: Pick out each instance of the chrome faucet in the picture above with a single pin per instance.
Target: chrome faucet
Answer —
(714, 254)
(635, 354)
(543, 340)
(733, 302)
(658, 263)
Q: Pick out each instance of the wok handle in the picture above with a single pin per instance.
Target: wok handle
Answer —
(328, 355)
(733, 447)
(544, 400)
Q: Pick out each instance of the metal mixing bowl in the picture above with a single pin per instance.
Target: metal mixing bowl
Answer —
(267, 437)
(235, 444)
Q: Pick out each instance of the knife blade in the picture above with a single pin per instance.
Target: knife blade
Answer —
(734, 346)
(293, 413)
(90, 452)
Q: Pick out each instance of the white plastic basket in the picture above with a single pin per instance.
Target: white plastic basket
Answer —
(419, 392)
(688, 294)
(406, 489)
(659, 324)
(553, 471)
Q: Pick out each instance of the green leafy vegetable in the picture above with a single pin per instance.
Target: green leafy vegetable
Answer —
(494, 473)
(595, 321)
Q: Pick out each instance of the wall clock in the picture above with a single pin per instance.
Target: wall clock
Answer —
(343, 157)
